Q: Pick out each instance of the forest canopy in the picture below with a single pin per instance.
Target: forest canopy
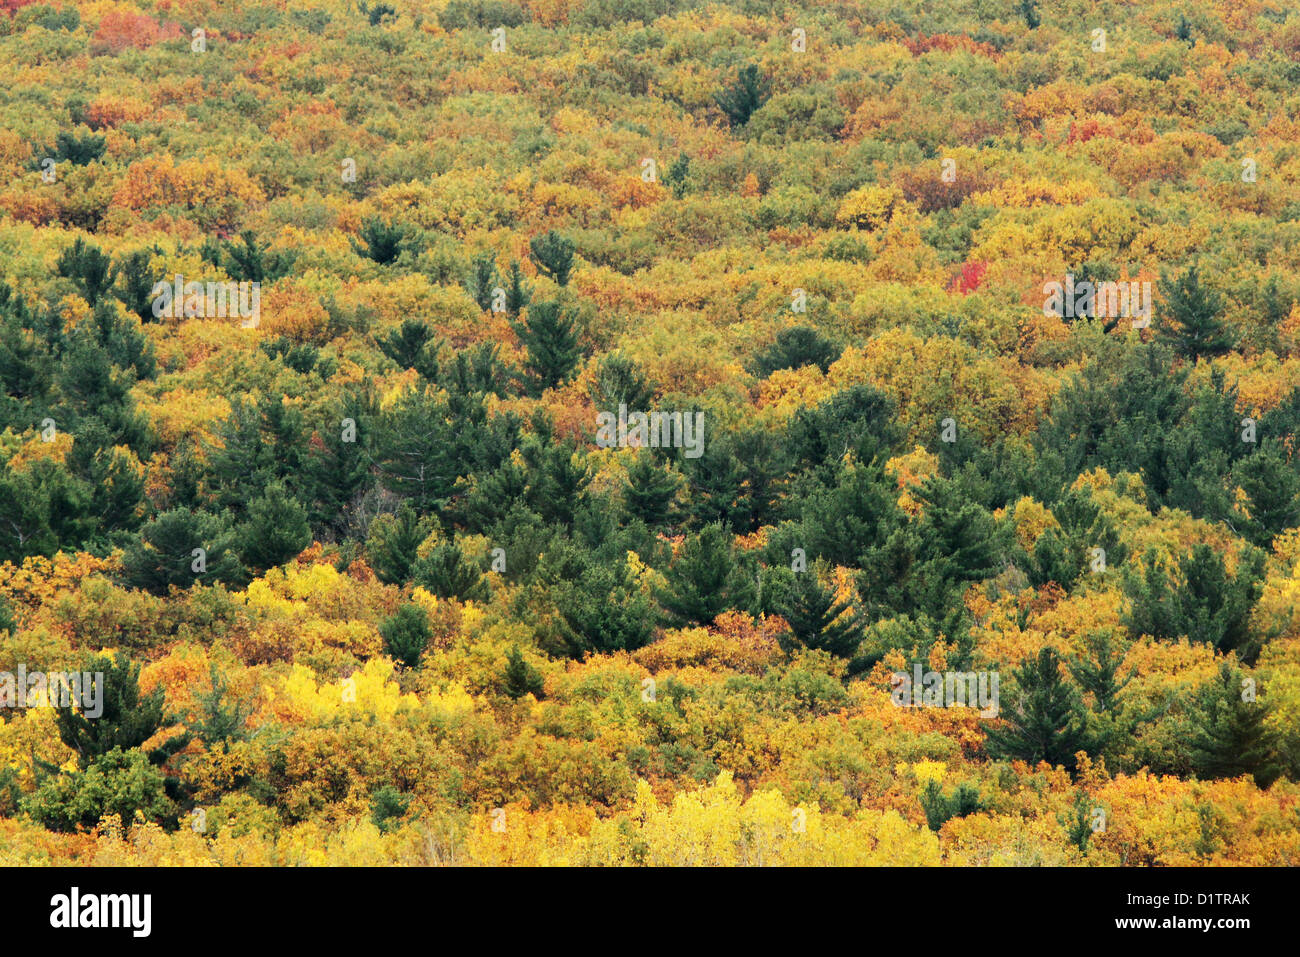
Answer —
(608, 432)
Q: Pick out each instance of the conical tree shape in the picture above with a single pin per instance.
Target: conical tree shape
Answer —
(483, 279)
(1193, 322)
(447, 573)
(392, 543)
(1045, 722)
(521, 677)
(1272, 490)
(553, 255)
(406, 634)
(1229, 735)
(128, 719)
(816, 619)
(649, 491)
(551, 339)
(276, 529)
(702, 579)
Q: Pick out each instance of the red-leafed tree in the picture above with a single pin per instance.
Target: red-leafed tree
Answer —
(970, 278)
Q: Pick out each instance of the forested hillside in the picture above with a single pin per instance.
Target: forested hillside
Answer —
(609, 431)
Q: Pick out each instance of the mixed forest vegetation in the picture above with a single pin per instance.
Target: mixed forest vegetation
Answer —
(365, 587)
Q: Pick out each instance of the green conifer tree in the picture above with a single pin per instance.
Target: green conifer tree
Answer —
(447, 573)
(703, 580)
(649, 491)
(553, 254)
(406, 634)
(551, 338)
(1045, 720)
(392, 542)
(521, 677)
(1193, 324)
(1228, 730)
(816, 619)
(749, 91)
(275, 531)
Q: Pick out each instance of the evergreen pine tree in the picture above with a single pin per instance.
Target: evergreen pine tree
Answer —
(816, 619)
(392, 542)
(620, 381)
(678, 176)
(422, 444)
(447, 573)
(551, 339)
(1276, 303)
(745, 95)
(117, 488)
(493, 497)
(924, 567)
(42, 508)
(412, 346)
(1197, 600)
(262, 440)
(603, 608)
(518, 293)
(337, 469)
(137, 281)
(380, 241)
(1046, 722)
(219, 721)
(846, 521)
(940, 807)
(249, 261)
(122, 341)
(388, 805)
(553, 255)
(276, 529)
(703, 580)
(164, 553)
(484, 278)
(715, 481)
(649, 491)
(478, 370)
(860, 420)
(797, 347)
(1097, 673)
(127, 720)
(1063, 553)
(1194, 326)
(406, 634)
(1078, 823)
(1229, 734)
(71, 148)
(89, 268)
(521, 677)
(1272, 490)
(25, 364)
(558, 482)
